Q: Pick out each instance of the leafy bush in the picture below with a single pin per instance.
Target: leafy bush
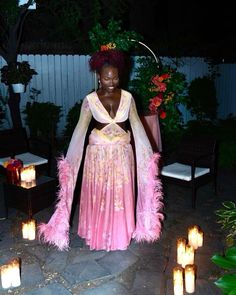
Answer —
(227, 283)
(227, 219)
(42, 119)
(72, 119)
(227, 261)
(202, 100)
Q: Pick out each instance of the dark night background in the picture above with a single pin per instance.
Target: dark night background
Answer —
(170, 28)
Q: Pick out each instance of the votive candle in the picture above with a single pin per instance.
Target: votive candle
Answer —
(5, 277)
(193, 236)
(178, 282)
(15, 272)
(200, 238)
(181, 244)
(189, 255)
(189, 273)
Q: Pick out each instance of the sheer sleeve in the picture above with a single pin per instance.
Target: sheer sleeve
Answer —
(149, 199)
(56, 231)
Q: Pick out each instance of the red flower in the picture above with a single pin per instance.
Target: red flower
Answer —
(162, 114)
(161, 86)
(155, 102)
(103, 47)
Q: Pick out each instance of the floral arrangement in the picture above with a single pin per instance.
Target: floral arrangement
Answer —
(159, 89)
(111, 37)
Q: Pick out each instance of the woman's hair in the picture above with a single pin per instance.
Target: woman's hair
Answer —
(110, 57)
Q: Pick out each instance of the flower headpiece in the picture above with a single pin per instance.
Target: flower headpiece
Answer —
(112, 37)
(108, 46)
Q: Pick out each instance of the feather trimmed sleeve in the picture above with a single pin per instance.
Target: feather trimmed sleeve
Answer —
(56, 231)
(149, 214)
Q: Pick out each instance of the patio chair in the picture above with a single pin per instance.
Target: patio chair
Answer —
(15, 142)
(193, 164)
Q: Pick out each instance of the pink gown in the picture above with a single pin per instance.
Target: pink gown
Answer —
(107, 219)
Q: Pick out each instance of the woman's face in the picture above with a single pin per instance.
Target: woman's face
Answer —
(109, 78)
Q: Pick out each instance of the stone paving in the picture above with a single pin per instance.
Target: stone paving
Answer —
(144, 269)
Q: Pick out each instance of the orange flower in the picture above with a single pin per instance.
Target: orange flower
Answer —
(165, 76)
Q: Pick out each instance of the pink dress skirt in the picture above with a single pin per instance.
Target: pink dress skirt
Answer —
(106, 214)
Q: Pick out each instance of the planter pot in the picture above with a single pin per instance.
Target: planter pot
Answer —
(18, 88)
(152, 128)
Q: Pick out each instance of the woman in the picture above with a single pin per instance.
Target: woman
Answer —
(107, 203)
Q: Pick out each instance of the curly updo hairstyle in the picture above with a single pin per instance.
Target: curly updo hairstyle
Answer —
(110, 57)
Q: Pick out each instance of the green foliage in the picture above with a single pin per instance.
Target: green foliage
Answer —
(227, 154)
(227, 219)
(202, 98)
(72, 119)
(19, 72)
(42, 119)
(9, 11)
(174, 95)
(227, 283)
(113, 34)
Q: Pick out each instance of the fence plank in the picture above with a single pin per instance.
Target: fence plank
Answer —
(66, 79)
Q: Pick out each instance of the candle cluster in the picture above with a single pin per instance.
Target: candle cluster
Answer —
(28, 229)
(10, 274)
(185, 257)
(28, 176)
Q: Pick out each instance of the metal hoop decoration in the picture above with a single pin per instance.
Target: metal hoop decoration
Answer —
(157, 59)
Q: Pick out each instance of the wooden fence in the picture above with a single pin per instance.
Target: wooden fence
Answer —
(66, 79)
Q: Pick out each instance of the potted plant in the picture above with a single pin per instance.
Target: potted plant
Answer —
(17, 73)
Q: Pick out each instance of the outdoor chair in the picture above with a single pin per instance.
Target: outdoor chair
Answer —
(15, 142)
(193, 164)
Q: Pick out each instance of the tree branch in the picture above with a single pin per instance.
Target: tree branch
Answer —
(20, 28)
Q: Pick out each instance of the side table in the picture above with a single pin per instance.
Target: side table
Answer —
(33, 199)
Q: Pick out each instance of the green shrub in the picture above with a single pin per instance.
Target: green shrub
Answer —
(227, 261)
(202, 101)
(72, 119)
(42, 119)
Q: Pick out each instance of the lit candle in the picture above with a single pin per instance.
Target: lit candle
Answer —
(28, 176)
(193, 236)
(181, 243)
(31, 228)
(189, 274)
(10, 274)
(5, 277)
(178, 281)
(28, 229)
(200, 238)
(189, 255)
(25, 230)
(15, 272)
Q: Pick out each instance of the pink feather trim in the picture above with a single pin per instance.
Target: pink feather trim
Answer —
(149, 209)
(56, 231)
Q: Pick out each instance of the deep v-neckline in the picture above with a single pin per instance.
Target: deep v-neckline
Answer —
(106, 109)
